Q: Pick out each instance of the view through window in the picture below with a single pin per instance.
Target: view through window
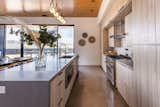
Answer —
(13, 43)
(65, 44)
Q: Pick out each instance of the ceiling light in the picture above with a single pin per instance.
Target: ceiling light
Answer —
(53, 9)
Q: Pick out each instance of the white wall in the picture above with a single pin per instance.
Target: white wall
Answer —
(108, 10)
(89, 54)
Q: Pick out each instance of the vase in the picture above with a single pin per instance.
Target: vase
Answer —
(41, 60)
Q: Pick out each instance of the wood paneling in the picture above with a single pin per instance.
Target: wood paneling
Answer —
(125, 83)
(157, 13)
(146, 76)
(69, 8)
(144, 21)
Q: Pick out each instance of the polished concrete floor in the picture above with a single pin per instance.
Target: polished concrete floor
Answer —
(92, 90)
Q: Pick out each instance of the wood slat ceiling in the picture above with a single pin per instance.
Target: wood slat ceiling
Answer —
(36, 8)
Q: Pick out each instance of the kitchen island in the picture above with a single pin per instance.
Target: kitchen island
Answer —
(26, 86)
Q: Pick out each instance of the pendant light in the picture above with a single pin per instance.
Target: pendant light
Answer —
(54, 10)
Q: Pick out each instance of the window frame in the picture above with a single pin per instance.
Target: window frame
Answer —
(22, 43)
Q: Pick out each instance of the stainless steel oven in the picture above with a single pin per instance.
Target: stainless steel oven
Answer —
(110, 66)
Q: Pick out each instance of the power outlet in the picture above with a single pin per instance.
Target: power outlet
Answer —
(2, 89)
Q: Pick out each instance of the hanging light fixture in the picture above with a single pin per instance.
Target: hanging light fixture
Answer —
(54, 10)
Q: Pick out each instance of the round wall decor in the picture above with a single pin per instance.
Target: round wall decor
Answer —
(84, 35)
(82, 42)
(92, 39)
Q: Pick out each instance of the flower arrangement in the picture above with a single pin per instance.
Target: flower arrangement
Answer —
(40, 38)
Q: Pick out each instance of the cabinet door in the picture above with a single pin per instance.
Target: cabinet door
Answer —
(145, 75)
(157, 83)
(54, 95)
(57, 87)
(144, 21)
(122, 81)
(157, 13)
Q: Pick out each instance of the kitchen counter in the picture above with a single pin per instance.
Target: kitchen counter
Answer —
(26, 86)
(28, 72)
(7, 61)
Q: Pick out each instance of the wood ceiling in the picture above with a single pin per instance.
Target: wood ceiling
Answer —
(36, 8)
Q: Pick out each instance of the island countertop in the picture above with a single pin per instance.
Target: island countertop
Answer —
(28, 72)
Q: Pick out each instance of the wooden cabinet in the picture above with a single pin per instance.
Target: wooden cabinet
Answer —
(157, 13)
(146, 24)
(58, 90)
(124, 82)
(157, 83)
(146, 76)
(144, 21)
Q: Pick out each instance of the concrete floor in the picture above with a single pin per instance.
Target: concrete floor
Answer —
(92, 90)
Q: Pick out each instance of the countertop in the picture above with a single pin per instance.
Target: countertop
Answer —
(28, 72)
(6, 61)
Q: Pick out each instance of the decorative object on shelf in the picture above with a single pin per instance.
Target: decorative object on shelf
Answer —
(82, 42)
(40, 38)
(84, 35)
(54, 10)
(92, 39)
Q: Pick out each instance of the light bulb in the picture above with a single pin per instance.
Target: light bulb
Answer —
(52, 10)
(56, 14)
(59, 17)
(64, 22)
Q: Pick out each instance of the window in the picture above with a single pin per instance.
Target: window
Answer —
(53, 30)
(31, 50)
(14, 48)
(12, 42)
(66, 43)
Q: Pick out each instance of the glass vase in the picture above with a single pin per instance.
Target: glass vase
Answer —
(41, 60)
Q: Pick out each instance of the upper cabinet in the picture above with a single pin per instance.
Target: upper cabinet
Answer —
(144, 21)
(157, 13)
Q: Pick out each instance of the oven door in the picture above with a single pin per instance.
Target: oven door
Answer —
(110, 73)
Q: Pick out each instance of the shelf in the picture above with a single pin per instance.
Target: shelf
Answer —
(119, 36)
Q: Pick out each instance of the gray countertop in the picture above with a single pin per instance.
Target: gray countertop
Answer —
(28, 72)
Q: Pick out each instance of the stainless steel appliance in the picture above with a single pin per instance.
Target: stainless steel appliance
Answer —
(68, 74)
(111, 68)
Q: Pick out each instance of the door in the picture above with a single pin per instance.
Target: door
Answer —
(157, 14)
(145, 75)
(144, 21)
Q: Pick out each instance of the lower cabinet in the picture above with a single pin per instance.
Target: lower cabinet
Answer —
(59, 93)
(125, 84)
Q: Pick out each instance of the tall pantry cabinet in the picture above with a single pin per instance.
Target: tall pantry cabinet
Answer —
(145, 40)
